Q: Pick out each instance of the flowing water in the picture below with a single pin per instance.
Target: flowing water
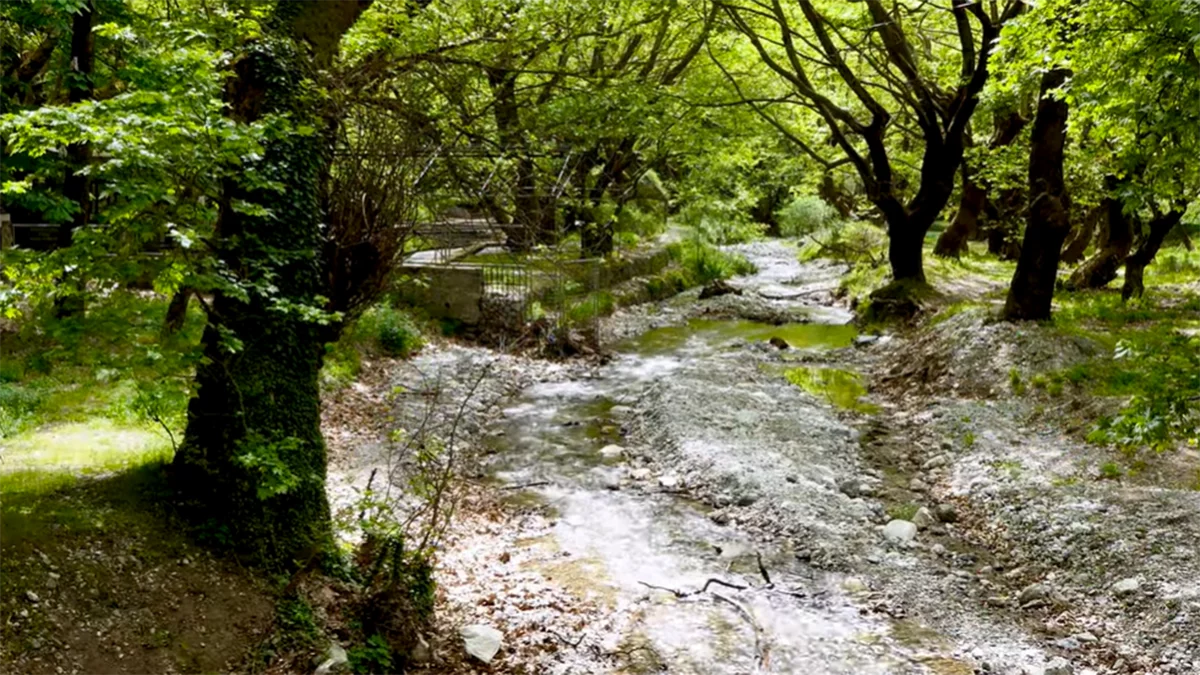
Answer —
(627, 535)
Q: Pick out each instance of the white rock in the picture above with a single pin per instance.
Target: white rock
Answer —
(31, 596)
(917, 485)
(899, 531)
(640, 474)
(336, 661)
(481, 641)
(1126, 587)
(612, 451)
(854, 585)
(669, 481)
(934, 463)
(923, 518)
(1058, 666)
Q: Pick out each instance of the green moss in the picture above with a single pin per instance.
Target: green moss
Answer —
(842, 388)
(715, 332)
(903, 511)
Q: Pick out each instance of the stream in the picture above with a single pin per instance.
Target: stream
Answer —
(632, 534)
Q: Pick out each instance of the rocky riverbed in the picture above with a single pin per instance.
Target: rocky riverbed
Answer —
(707, 502)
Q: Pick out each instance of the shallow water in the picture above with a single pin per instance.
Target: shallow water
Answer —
(619, 540)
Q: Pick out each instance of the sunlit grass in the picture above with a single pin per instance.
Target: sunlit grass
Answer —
(56, 456)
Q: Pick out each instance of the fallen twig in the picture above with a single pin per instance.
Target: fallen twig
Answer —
(687, 594)
(762, 650)
(522, 486)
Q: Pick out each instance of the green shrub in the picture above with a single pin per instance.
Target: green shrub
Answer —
(851, 242)
(296, 623)
(373, 657)
(392, 330)
(705, 263)
(804, 215)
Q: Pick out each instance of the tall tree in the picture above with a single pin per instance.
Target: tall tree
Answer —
(863, 53)
(1032, 287)
(76, 185)
(253, 457)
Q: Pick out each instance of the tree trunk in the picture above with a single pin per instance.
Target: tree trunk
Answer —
(253, 459)
(76, 186)
(1032, 287)
(1135, 264)
(953, 241)
(177, 311)
(1081, 236)
(833, 195)
(1098, 270)
(905, 251)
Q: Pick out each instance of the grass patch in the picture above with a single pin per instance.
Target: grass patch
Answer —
(382, 330)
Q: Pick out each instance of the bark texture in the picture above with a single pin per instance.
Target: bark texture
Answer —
(1116, 242)
(1048, 223)
(1135, 264)
(76, 185)
(253, 459)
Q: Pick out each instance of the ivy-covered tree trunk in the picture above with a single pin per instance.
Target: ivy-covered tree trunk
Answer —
(1135, 264)
(1032, 287)
(253, 459)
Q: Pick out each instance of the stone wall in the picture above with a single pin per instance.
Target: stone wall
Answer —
(450, 291)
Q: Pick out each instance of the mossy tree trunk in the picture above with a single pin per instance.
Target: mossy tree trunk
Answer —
(1032, 286)
(253, 459)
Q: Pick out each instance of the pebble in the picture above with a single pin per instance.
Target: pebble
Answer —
(32, 597)
(934, 463)
(900, 531)
(923, 518)
(640, 474)
(1033, 593)
(1058, 666)
(1126, 587)
(946, 513)
(917, 485)
(612, 451)
(669, 481)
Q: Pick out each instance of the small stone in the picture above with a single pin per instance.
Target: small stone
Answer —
(946, 513)
(899, 531)
(865, 340)
(792, 478)
(1085, 637)
(854, 585)
(747, 499)
(505, 557)
(779, 343)
(620, 411)
(917, 485)
(850, 487)
(1058, 666)
(937, 549)
(934, 463)
(1126, 587)
(32, 597)
(668, 482)
(612, 452)
(719, 517)
(336, 661)
(481, 641)
(923, 518)
(1033, 593)
(640, 474)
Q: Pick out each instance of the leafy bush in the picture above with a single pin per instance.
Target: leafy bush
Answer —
(1162, 369)
(373, 657)
(721, 222)
(704, 263)
(391, 330)
(853, 242)
(17, 406)
(805, 215)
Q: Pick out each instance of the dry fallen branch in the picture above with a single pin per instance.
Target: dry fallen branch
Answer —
(686, 594)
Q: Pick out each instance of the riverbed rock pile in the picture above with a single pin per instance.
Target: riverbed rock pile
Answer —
(970, 354)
